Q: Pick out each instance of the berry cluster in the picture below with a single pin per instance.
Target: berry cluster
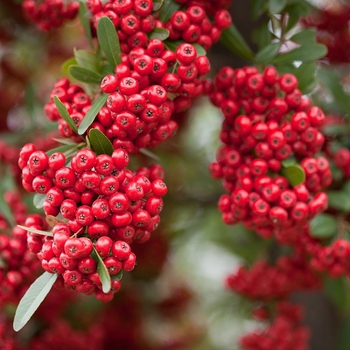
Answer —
(267, 282)
(341, 159)
(18, 265)
(210, 7)
(284, 332)
(49, 14)
(194, 26)
(267, 121)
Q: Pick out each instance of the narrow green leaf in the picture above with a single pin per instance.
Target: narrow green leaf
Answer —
(331, 82)
(276, 6)
(305, 53)
(294, 174)
(86, 60)
(149, 154)
(92, 113)
(102, 272)
(100, 143)
(258, 7)
(6, 211)
(64, 141)
(304, 37)
(62, 110)
(38, 200)
(306, 75)
(32, 299)
(157, 5)
(262, 36)
(84, 20)
(268, 53)
(323, 226)
(38, 232)
(85, 75)
(159, 33)
(339, 200)
(200, 50)
(336, 290)
(235, 42)
(167, 10)
(118, 276)
(109, 41)
(67, 64)
(62, 149)
(106, 69)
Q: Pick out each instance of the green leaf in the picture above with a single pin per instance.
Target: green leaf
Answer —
(67, 64)
(288, 162)
(304, 37)
(100, 143)
(64, 141)
(84, 20)
(268, 53)
(200, 50)
(346, 187)
(339, 200)
(296, 9)
(118, 276)
(157, 5)
(331, 82)
(85, 75)
(32, 299)
(305, 53)
(38, 200)
(235, 42)
(102, 272)
(294, 174)
(276, 6)
(159, 33)
(336, 290)
(62, 149)
(38, 232)
(86, 59)
(306, 75)
(62, 110)
(323, 226)
(167, 10)
(109, 41)
(258, 7)
(92, 113)
(262, 36)
(6, 211)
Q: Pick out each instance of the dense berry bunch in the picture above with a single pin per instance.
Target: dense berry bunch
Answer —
(211, 7)
(267, 121)
(194, 26)
(284, 332)
(49, 14)
(18, 265)
(268, 282)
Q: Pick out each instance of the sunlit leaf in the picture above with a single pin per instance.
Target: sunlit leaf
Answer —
(102, 272)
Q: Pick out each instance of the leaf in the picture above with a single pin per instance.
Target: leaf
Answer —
(32, 299)
(149, 154)
(84, 20)
(159, 33)
(92, 113)
(262, 36)
(109, 41)
(64, 141)
(339, 200)
(306, 75)
(276, 6)
(305, 53)
(6, 211)
(294, 174)
(336, 290)
(38, 200)
(200, 50)
(257, 8)
(100, 143)
(102, 272)
(268, 53)
(52, 221)
(289, 161)
(346, 187)
(86, 60)
(167, 10)
(304, 37)
(323, 226)
(157, 5)
(62, 110)
(85, 75)
(67, 64)
(331, 82)
(118, 276)
(235, 42)
(38, 232)
(62, 149)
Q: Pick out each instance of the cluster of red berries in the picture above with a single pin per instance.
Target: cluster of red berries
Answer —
(263, 281)
(341, 159)
(332, 29)
(284, 333)
(266, 122)
(49, 14)
(211, 7)
(194, 26)
(18, 264)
